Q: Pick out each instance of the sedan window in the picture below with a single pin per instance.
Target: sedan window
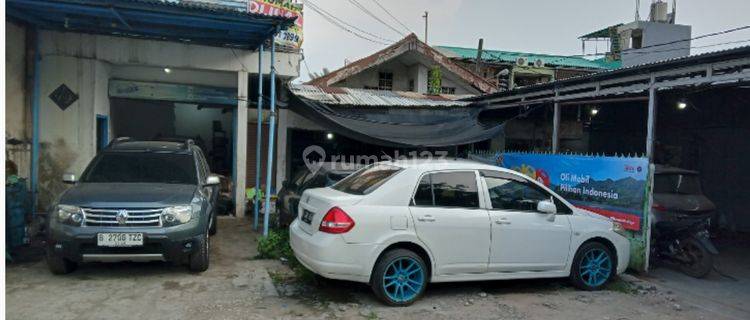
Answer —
(448, 189)
(519, 195)
(513, 195)
(366, 180)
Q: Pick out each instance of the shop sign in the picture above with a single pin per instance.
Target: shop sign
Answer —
(291, 37)
(172, 92)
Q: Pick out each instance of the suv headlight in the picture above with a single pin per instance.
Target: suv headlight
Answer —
(177, 215)
(70, 215)
(618, 228)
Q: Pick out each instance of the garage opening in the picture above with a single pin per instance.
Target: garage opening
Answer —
(210, 126)
(339, 148)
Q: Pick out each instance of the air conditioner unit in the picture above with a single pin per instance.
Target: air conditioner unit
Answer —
(539, 63)
(522, 61)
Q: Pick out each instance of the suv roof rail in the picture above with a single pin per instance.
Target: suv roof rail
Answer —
(188, 143)
(118, 140)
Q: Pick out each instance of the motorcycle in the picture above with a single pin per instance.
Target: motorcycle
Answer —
(681, 215)
(688, 246)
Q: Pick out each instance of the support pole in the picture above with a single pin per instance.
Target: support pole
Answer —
(34, 174)
(271, 131)
(556, 127)
(258, 140)
(651, 125)
(426, 21)
(240, 148)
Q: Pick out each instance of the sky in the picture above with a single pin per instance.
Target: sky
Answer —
(538, 26)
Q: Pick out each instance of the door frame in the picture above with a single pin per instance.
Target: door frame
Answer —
(101, 144)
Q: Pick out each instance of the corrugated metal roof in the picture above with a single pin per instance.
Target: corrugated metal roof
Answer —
(194, 22)
(375, 98)
(608, 74)
(511, 57)
(601, 33)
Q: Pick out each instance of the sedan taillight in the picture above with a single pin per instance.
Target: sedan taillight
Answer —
(336, 221)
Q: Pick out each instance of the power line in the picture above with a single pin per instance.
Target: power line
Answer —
(698, 37)
(677, 41)
(667, 50)
(369, 13)
(304, 60)
(343, 27)
(392, 16)
(695, 47)
(319, 9)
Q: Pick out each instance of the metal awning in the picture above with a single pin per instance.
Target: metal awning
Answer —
(186, 22)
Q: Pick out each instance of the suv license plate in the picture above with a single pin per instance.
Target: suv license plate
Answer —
(131, 239)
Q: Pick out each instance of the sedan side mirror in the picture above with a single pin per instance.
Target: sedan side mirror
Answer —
(69, 178)
(546, 207)
(212, 180)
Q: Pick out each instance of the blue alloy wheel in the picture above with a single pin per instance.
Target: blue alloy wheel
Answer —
(403, 279)
(595, 267)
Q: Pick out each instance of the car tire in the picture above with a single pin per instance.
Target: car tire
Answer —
(399, 278)
(701, 261)
(214, 226)
(58, 264)
(593, 266)
(198, 261)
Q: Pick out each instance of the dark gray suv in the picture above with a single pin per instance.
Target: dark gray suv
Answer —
(136, 201)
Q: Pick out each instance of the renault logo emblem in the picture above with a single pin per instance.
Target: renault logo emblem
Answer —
(122, 216)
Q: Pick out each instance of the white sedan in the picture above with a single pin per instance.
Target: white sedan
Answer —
(400, 225)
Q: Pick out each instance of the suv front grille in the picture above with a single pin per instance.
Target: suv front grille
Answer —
(96, 217)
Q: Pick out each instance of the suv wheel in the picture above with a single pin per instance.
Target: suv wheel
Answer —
(58, 264)
(399, 278)
(199, 259)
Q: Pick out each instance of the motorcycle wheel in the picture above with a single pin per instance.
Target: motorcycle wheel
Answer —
(696, 261)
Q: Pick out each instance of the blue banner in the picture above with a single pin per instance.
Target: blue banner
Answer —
(611, 186)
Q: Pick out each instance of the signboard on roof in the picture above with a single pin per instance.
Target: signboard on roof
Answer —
(291, 37)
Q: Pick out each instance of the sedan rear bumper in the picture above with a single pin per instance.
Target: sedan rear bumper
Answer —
(330, 256)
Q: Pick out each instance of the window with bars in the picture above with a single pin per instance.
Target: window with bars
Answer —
(385, 81)
(448, 90)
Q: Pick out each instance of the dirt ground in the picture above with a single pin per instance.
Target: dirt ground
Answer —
(237, 286)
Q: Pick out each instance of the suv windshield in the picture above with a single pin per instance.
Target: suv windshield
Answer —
(677, 183)
(142, 167)
(366, 180)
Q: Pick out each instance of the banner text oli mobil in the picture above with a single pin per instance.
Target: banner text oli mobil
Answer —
(611, 186)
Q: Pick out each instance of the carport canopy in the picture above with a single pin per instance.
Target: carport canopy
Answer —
(186, 22)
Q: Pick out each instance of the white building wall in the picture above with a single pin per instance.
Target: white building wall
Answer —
(461, 87)
(655, 33)
(128, 51)
(15, 74)
(17, 111)
(67, 137)
(289, 120)
(420, 74)
(402, 75)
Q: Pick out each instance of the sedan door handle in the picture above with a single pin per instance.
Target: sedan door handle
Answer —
(502, 221)
(427, 218)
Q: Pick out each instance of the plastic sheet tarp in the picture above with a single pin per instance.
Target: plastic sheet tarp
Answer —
(400, 126)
